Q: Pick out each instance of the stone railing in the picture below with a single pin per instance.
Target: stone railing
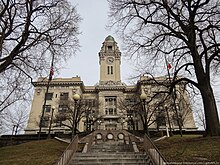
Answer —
(69, 152)
(153, 152)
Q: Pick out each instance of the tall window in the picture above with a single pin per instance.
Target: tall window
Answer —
(110, 69)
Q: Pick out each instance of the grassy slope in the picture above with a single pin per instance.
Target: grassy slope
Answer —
(190, 149)
(44, 152)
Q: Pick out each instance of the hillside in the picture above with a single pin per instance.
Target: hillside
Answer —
(190, 149)
(44, 152)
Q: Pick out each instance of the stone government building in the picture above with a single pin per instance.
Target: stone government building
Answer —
(113, 104)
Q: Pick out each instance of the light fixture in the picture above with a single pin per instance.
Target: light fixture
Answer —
(76, 97)
(143, 96)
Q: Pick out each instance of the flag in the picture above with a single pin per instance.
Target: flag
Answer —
(169, 66)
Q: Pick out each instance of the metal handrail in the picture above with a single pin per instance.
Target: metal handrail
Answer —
(153, 151)
(69, 152)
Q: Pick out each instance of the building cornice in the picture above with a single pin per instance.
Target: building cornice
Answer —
(63, 83)
(144, 80)
(110, 85)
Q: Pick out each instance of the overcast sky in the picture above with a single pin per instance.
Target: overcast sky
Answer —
(93, 27)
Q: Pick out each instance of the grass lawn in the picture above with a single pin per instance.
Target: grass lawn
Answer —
(44, 152)
(191, 148)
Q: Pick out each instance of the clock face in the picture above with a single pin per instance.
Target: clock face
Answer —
(110, 60)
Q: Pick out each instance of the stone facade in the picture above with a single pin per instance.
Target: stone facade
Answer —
(110, 104)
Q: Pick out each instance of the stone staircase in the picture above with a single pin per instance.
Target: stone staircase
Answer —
(111, 153)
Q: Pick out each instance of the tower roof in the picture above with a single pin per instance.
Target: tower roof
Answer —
(109, 38)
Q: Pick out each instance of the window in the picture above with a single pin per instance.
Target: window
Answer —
(160, 120)
(110, 106)
(90, 102)
(64, 96)
(130, 101)
(110, 48)
(110, 69)
(60, 118)
(115, 111)
(45, 121)
(110, 111)
(49, 96)
(47, 108)
(111, 101)
(62, 108)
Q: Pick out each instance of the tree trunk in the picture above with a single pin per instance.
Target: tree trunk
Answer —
(210, 110)
(209, 103)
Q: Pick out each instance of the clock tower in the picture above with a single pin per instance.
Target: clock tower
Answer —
(109, 61)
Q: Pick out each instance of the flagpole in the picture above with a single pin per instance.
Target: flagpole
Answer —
(45, 97)
(168, 66)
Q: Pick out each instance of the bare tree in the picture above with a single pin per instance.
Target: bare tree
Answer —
(71, 113)
(200, 118)
(182, 31)
(129, 108)
(14, 121)
(136, 110)
(31, 32)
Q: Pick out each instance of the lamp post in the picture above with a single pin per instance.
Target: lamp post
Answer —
(51, 121)
(76, 97)
(143, 98)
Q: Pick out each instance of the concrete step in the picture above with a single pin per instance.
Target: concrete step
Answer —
(107, 155)
(108, 147)
(125, 158)
(111, 154)
(108, 161)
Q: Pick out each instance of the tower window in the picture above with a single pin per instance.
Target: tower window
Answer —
(110, 69)
(110, 48)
